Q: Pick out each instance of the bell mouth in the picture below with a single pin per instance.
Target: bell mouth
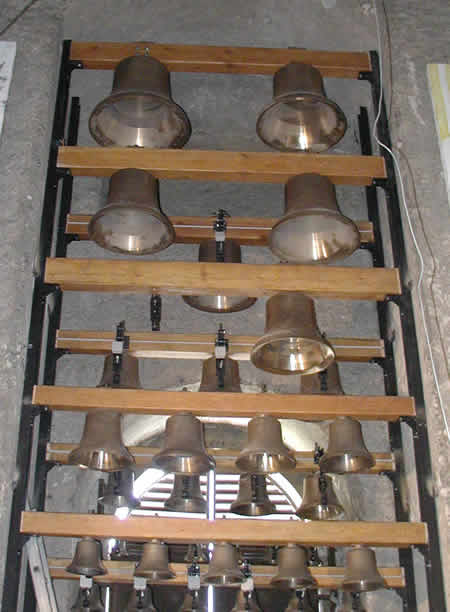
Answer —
(224, 579)
(182, 462)
(292, 583)
(253, 509)
(186, 505)
(100, 460)
(361, 586)
(154, 575)
(119, 501)
(314, 236)
(346, 463)
(301, 122)
(133, 230)
(320, 513)
(219, 303)
(85, 571)
(265, 462)
(139, 119)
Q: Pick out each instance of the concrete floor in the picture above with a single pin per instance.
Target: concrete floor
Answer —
(222, 118)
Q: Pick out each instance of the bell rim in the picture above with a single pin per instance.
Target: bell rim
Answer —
(310, 514)
(362, 586)
(86, 571)
(104, 141)
(293, 583)
(330, 465)
(194, 301)
(77, 457)
(162, 574)
(251, 466)
(226, 579)
(199, 506)
(204, 462)
(265, 507)
(111, 500)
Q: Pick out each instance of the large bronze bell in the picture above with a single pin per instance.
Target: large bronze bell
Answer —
(186, 495)
(118, 492)
(231, 378)
(319, 502)
(252, 499)
(361, 572)
(87, 559)
(184, 447)
(292, 343)
(140, 111)
(241, 602)
(300, 117)
(327, 382)
(293, 572)
(154, 563)
(224, 568)
(265, 452)
(346, 452)
(219, 303)
(191, 603)
(89, 600)
(132, 221)
(145, 605)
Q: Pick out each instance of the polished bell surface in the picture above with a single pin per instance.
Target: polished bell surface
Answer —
(132, 221)
(252, 499)
(231, 378)
(224, 568)
(186, 495)
(87, 559)
(361, 572)
(327, 382)
(154, 563)
(191, 603)
(312, 230)
(319, 504)
(293, 572)
(292, 343)
(184, 447)
(89, 600)
(300, 117)
(118, 492)
(219, 303)
(145, 604)
(241, 602)
(346, 452)
(140, 111)
(265, 452)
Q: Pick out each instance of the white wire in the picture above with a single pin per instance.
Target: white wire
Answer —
(411, 229)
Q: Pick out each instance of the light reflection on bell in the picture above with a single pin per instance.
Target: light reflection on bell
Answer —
(312, 230)
(154, 563)
(140, 111)
(292, 343)
(231, 378)
(347, 452)
(301, 117)
(219, 303)
(132, 221)
(118, 492)
(224, 568)
(241, 602)
(361, 572)
(265, 452)
(317, 504)
(327, 382)
(184, 447)
(191, 603)
(91, 597)
(293, 572)
(87, 559)
(145, 605)
(186, 495)
(252, 499)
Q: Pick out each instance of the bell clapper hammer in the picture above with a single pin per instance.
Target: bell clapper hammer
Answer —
(220, 351)
(121, 343)
(220, 228)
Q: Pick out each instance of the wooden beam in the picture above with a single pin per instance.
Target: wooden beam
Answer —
(246, 231)
(221, 165)
(236, 531)
(194, 278)
(199, 346)
(58, 452)
(302, 407)
(121, 572)
(215, 59)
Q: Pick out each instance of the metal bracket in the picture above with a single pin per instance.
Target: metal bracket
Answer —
(220, 229)
(220, 351)
(380, 182)
(323, 378)
(74, 65)
(155, 311)
(318, 453)
(121, 343)
(366, 75)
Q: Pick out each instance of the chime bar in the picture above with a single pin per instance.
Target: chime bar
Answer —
(227, 166)
(199, 346)
(222, 60)
(194, 278)
(139, 401)
(121, 572)
(248, 231)
(234, 531)
(58, 452)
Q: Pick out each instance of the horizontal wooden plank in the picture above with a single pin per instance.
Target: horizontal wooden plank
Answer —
(307, 407)
(215, 59)
(199, 346)
(235, 531)
(58, 452)
(228, 166)
(121, 572)
(195, 278)
(248, 231)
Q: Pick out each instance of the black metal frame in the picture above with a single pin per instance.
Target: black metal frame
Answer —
(35, 423)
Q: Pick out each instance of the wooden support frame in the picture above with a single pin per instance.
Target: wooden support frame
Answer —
(306, 407)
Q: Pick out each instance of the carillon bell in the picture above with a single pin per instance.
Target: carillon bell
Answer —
(186, 495)
(265, 452)
(136, 604)
(361, 572)
(292, 343)
(347, 452)
(118, 492)
(301, 117)
(154, 563)
(231, 378)
(219, 303)
(252, 499)
(191, 603)
(129, 372)
(224, 568)
(87, 559)
(140, 111)
(184, 447)
(132, 221)
(319, 502)
(89, 600)
(293, 572)
(241, 602)
(327, 382)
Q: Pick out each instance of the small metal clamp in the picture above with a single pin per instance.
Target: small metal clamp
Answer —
(220, 229)
(323, 378)
(248, 585)
(318, 453)
(155, 311)
(220, 351)
(193, 573)
(119, 345)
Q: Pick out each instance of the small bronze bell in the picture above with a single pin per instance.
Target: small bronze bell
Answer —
(231, 378)
(347, 452)
(144, 605)
(252, 499)
(154, 563)
(87, 559)
(327, 382)
(293, 572)
(242, 601)
(184, 447)
(361, 572)
(191, 603)
(186, 495)
(118, 492)
(319, 502)
(265, 451)
(224, 568)
(89, 600)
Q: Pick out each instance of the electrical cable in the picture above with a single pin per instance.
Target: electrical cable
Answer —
(19, 15)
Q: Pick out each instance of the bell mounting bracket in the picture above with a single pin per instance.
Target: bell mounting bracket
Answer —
(323, 378)
(155, 311)
(318, 453)
(119, 345)
(220, 351)
(193, 573)
(220, 229)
